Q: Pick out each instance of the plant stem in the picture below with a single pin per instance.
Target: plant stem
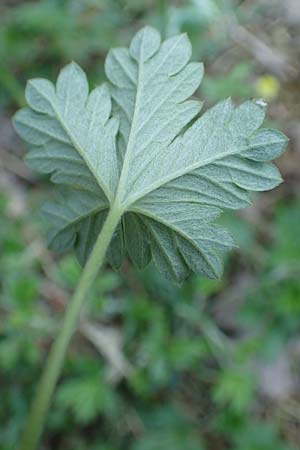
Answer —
(41, 403)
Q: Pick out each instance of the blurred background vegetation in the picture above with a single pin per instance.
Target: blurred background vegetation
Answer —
(211, 365)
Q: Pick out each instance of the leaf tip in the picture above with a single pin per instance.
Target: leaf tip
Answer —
(72, 67)
(145, 43)
(184, 36)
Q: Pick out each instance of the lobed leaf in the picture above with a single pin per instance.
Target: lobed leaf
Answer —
(140, 143)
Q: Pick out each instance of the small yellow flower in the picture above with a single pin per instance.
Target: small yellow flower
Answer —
(267, 86)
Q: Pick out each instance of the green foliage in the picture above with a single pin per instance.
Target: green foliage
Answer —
(236, 388)
(235, 84)
(182, 392)
(169, 179)
(40, 37)
(257, 436)
(169, 334)
(249, 434)
(170, 431)
(86, 397)
(286, 225)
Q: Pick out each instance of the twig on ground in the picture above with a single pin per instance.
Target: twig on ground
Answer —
(268, 57)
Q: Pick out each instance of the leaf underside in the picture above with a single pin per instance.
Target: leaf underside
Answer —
(140, 137)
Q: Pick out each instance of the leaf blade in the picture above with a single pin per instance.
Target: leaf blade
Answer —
(139, 144)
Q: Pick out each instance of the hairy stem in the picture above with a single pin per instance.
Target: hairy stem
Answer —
(41, 403)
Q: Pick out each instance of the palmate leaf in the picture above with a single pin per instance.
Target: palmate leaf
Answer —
(139, 142)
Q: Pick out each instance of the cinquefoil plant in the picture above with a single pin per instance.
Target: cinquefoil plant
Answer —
(141, 172)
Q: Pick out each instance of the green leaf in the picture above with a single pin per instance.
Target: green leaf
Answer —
(86, 397)
(139, 145)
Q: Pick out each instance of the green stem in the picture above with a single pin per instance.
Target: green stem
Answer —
(56, 358)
